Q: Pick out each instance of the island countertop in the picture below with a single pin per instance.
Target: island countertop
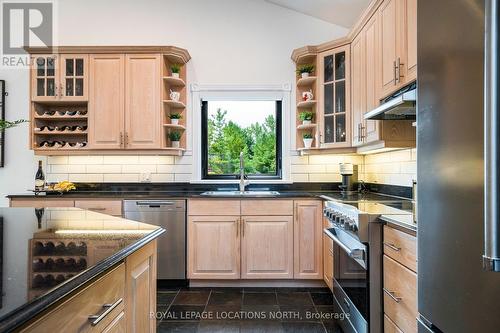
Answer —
(47, 254)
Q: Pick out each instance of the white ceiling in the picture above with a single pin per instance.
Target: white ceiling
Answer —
(340, 12)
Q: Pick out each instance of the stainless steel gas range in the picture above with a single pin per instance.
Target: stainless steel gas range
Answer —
(356, 232)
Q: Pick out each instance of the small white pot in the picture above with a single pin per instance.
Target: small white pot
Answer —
(176, 75)
(308, 143)
(174, 121)
(175, 144)
(306, 122)
(304, 75)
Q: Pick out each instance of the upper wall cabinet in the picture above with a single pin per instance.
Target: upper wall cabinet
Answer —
(397, 44)
(88, 100)
(59, 78)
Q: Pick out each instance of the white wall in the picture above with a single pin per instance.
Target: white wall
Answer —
(230, 41)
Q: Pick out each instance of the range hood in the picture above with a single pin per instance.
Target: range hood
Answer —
(400, 107)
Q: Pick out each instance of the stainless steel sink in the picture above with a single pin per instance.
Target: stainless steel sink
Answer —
(240, 194)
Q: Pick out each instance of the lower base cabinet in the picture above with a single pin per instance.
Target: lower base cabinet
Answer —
(267, 247)
(130, 287)
(214, 247)
(328, 261)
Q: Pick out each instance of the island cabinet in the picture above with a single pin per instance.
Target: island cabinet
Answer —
(400, 281)
(254, 239)
(105, 206)
(119, 300)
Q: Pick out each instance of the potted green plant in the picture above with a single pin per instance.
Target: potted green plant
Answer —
(4, 124)
(306, 117)
(175, 138)
(305, 70)
(174, 118)
(308, 140)
(175, 69)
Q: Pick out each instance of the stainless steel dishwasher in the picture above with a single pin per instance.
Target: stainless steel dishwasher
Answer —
(171, 215)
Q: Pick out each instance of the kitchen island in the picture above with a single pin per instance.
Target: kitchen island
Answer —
(68, 269)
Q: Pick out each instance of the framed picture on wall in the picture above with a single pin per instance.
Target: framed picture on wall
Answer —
(2, 117)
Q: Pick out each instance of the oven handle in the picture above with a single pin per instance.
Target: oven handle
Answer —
(353, 253)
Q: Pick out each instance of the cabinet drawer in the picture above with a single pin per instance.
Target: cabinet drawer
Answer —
(400, 295)
(389, 326)
(73, 315)
(401, 247)
(267, 207)
(36, 203)
(110, 207)
(213, 207)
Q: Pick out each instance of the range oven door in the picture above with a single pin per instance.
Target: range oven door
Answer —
(351, 282)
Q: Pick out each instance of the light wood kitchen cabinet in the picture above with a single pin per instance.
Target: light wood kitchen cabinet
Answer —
(59, 77)
(401, 247)
(267, 247)
(389, 326)
(308, 231)
(72, 315)
(358, 82)
(107, 103)
(142, 105)
(41, 203)
(397, 44)
(334, 97)
(214, 247)
(140, 301)
(411, 40)
(328, 263)
(104, 206)
(400, 295)
(128, 290)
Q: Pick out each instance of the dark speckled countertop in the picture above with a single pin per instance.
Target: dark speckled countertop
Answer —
(48, 253)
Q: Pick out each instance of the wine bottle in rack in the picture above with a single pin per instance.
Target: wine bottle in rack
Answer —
(39, 178)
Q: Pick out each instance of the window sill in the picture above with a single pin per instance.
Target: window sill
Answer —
(232, 181)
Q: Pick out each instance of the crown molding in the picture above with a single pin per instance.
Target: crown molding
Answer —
(173, 52)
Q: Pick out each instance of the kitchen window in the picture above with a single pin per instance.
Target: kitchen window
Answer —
(231, 127)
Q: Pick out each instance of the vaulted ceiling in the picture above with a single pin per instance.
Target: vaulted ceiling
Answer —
(340, 12)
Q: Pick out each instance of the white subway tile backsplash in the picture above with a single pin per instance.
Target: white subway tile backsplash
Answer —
(300, 177)
(86, 178)
(104, 168)
(148, 159)
(299, 160)
(85, 159)
(186, 160)
(166, 160)
(68, 168)
(165, 168)
(56, 177)
(138, 168)
(128, 159)
(180, 177)
(325, 177)
(57, 160)
(162, 177)
(122, 178)
(309, 168)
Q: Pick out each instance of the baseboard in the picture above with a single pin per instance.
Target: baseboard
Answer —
(259, 283)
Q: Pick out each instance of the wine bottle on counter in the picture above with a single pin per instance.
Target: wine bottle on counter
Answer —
(39, 178)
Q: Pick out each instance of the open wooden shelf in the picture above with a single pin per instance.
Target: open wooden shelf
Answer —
(174, 81)
(307, 126)
(179, 127)
(307, 81)
(66, 118)
(306, 104)
(174, 104)
(60, 133)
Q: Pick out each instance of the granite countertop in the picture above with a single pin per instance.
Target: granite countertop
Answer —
(48, 253)
(405, 221)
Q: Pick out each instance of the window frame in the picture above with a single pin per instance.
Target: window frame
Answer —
(204, 146)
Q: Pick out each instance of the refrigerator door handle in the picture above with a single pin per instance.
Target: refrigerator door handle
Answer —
(491, 256)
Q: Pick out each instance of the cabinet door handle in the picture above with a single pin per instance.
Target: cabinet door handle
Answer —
(61, 90)
(126, 139)
(243, 227)
(96, 319)
(394, 68)
(121, 139)
(97, 209)
(398, 70)
(392, 295)
(392, 246)
(238, 221)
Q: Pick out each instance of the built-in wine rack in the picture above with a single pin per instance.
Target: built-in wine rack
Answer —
(54, 261)
(60, 127)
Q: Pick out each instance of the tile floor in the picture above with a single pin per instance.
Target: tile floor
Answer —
(246, 310)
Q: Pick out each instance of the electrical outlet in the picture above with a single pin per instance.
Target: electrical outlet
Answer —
(146, 177)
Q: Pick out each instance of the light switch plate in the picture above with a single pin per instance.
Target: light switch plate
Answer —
(146, 177)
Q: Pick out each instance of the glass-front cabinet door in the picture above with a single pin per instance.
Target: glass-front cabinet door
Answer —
(73, 85)
(59, 77)
(45, 79)
(334, 70)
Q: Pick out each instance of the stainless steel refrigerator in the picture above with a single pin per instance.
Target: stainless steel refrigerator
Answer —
(458, 161)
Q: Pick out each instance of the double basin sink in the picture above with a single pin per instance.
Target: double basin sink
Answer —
(241, 194)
